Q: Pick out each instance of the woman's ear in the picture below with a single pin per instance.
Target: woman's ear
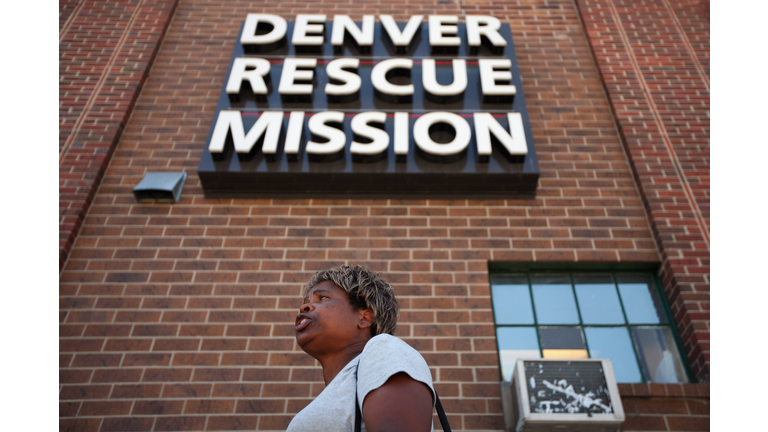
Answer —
(365, 318)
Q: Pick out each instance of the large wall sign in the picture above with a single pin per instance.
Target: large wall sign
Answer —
(338, 108)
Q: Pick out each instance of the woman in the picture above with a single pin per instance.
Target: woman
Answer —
(346, 323)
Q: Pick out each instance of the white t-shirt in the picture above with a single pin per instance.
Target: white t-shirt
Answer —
(334, 408)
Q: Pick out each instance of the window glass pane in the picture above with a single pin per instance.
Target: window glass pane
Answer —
(659, 355)
(562, 342)
(598, 300)
(514, 343)
(641, 303)
(511, 300)
(614, 343)
(553, 299)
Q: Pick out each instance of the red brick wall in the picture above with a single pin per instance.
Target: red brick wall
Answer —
(105, 51)
(665, 407)
(67, 9)
(177, 317)
(653, 56)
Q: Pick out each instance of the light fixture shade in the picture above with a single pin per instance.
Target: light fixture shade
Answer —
(160, 187)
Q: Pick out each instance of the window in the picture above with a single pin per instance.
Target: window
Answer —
(620, 316)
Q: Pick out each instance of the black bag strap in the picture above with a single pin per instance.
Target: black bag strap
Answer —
(441, 414)
(358, 416)
(438, 407)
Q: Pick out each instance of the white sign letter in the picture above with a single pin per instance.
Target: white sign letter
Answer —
(269, 121)
(336, 138)
(254, 76)
(290, 74)
(402, 136)
(437, 29)
(489, 74)
(429, 78)
(487, 26)
(293, 135)
(303, 30)
(401, 39)
(426, 143)
(379, 138)
(379, 77)
(363, 37)
(352, 81)
(249, 36)
(514, 142)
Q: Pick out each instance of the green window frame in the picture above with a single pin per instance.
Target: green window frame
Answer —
(587, 311)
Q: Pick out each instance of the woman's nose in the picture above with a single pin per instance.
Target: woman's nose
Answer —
(305, 308)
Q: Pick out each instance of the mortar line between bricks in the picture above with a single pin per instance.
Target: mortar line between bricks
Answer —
(70, 20)
(688, 44)
(100, 84)
(675, 162)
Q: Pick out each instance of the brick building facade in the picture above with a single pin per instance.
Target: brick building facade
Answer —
(179, 316)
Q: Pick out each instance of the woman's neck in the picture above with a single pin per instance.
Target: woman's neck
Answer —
(333, 363)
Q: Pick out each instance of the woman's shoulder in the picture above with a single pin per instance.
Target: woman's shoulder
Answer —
(386, 355)
(387, 342)
(386, 347)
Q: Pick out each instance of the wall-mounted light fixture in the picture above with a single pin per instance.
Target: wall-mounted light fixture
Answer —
(160, 187)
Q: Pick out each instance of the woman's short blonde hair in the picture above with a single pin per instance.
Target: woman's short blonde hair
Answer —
(366, 290)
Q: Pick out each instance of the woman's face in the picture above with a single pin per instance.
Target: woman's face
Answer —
(327, 321)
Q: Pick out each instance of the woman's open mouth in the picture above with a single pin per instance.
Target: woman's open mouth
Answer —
(302, 323)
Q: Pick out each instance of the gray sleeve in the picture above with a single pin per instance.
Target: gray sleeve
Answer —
(384, 356)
